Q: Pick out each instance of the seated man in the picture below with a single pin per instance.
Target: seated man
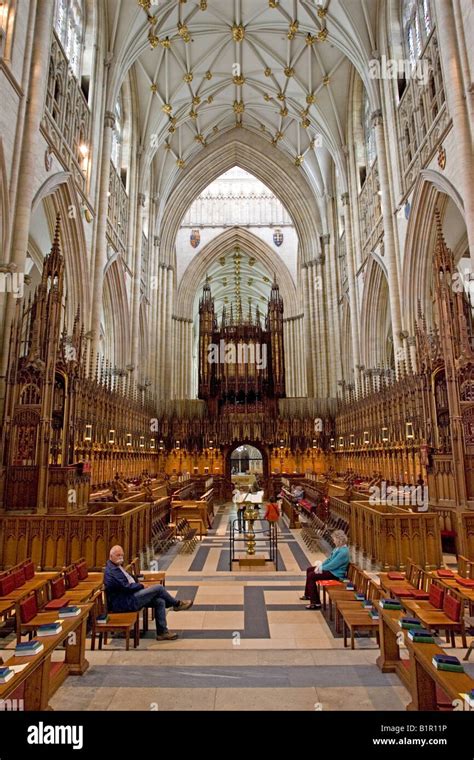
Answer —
(334, 568)
(124, 594)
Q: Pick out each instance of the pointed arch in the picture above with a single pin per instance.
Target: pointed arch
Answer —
(376, 324)
(116, 313)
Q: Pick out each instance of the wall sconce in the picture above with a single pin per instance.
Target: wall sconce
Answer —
(332, 444)
(142, 441)
(152, 443)
(384, 434)
(352, 439)
(366, 436)
(341, 441)
(84, 156)
(282, 443)
(211, 445)
(314, 443)
(88, 433)
(409, 430)
(177, 447)
(129, 439)
(111, 436)
(162, 445)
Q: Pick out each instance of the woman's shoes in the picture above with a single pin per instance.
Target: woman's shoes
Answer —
(313, 607)
(304, 598)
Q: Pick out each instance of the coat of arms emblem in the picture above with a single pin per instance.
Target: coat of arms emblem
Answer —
(278, 237)
(195, 238)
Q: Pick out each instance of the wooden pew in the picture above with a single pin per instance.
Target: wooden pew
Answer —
(424, 678)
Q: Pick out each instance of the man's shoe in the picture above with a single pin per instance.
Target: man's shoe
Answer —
(185, 604)
(166, 636)
(313, 607)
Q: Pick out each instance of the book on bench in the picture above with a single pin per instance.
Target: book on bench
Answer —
(409, 622)
(102, 619)
(49, 629)
(374, 614)
(448, 663)
(6, 674)
(360, 597)
(421, 636)
(67, 612)
(390, 604)
(29, 648)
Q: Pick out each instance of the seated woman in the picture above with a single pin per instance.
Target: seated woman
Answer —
(334, 568)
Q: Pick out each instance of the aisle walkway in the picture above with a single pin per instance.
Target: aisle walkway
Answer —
(247, 643)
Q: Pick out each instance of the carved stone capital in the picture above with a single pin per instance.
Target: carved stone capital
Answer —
(345, 200)
(8, 267)
(141, 199)
(109, 119)
(376, 118)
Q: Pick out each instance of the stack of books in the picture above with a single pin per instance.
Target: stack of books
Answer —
(469, 697)
(390, 604)
(374, 614)
(421, 636)
(359, 597)
(49, 629)
(409, 623)
(5, 674)
(447, 662)
(102, 619)
(367, 604)
(349, 586)
(29, 648)
(67, 612)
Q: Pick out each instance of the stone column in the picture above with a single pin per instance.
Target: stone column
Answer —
(389, 238)
(308, 330)
(30, 157)
(136, 292)
(456, 99)
(101, 246)
(352, 288)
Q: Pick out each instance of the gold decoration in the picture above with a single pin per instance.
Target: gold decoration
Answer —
(289, 71)
(284, 111)
(322, 12)
(310, 99)
(188, 77)
(166, 43)
(305, 123)
(266, 97)
(208, 75)
(273, 3)
(326, 80)
(166, 108)
(322, 35)
(238, 106)
(193, 114)
(239, 80)
(145, 4)
(262, 127)
(200, 139)
(310, 39)
(180, 163)
(278, 136)
(203, 5)
(154, 87)
(167, 145)
(238, 32)
(268, 72)
(299, 160)
(196, 100)
(210, 99)
(281, 96)
(215, 129)
(171, 129)
(222, 261)
(292, 29)
(441, 157)
(183, 32)
(152, 20)
(173, 121)
(153, 40)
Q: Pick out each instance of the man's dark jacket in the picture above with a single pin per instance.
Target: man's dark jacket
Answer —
(120, 594)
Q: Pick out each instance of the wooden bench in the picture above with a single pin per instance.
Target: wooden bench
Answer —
(117, 622)
(424, 678)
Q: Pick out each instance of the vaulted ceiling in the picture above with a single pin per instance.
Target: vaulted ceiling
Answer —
(277, 67)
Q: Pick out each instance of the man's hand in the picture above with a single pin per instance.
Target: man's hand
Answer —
(317, 567)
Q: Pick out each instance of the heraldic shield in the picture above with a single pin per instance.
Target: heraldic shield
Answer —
(195, 238)
(278, 237)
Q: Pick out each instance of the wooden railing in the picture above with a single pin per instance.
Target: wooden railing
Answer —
(56, 541)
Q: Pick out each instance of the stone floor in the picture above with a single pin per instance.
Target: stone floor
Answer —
(248, 643)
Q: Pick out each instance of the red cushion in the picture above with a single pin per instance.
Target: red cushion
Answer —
(418, 593)
(7, 584)
(450, 533)
(436, 596)
(329, 583)
(72, 578)
(402, 591)
(19, 576)
(28, 609)
(56, 604)
(466, 582)
(452, 608)
(29, 570)
(58, 588)
(396, 576)
(445, 573)
(81, 568)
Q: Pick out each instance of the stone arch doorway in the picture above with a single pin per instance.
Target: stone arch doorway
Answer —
(263, 477)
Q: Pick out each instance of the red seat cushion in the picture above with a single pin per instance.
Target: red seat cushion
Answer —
(418, 593)
(452, 608)
(19, 576)
(72, 578)
(436, 596)
(58, 588)
(81, 568)
(466, 582)
(396, 576)
(29, 570)
(445, 573)
(402, 591)
(56, 604)
(450, 533)
(28, 609)
(7, 584)
(329, 583)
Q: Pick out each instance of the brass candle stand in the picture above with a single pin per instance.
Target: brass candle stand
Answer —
(250, 515)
